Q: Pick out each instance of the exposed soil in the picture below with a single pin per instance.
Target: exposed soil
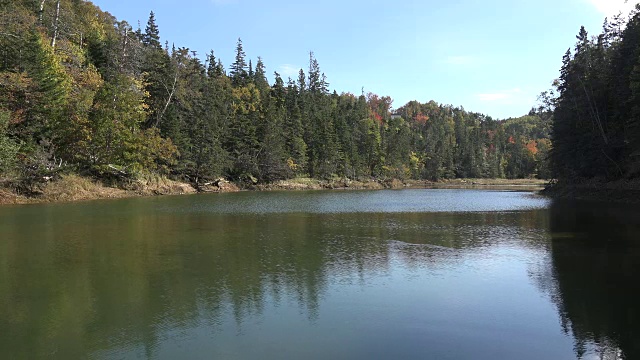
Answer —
(313, 184)
(77, 188)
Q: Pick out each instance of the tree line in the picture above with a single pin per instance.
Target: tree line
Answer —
(596, 104)
(82, 91)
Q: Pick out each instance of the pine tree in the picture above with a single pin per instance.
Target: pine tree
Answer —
(314, 79)
(151, 37)
(203, 112)
(214, 68)
(295, 145)
(160, 73)
(272, 154)
(238, 72)
(113, 96)
(260, 77)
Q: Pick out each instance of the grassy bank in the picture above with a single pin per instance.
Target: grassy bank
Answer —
(314, 184)
(533, 184)
(77, 188)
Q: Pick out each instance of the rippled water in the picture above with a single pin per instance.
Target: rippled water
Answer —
(443, 274)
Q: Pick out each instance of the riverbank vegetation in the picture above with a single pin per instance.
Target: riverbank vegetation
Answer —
(84, 93)
(596, 113)
(71, 187)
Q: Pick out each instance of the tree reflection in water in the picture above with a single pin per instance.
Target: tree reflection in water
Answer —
(595, 255)
(133, 278)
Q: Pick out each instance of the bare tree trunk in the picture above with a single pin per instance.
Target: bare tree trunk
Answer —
(125, 40)
(170, 92)
(41, 11)
(56, 23)
(595, 114)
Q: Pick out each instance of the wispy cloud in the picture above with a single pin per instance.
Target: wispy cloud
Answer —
(460, 60)
(507, 96)
(613, 7)
(288, 70)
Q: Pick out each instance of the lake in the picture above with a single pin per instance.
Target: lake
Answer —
(392, 274)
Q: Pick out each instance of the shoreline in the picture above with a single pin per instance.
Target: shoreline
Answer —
(346, 184)
(619, 191)
(74, 188)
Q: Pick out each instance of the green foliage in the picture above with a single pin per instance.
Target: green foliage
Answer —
(239, 74)
(596, 117)
(151, 37)
(107, 97)
(8, 147)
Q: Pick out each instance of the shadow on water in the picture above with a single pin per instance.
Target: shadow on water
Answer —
(123, 279)
(595, 256)
(160, 278)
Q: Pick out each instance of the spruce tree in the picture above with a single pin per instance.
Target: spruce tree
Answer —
(272, 154)
(238, 72)
(260, 78)
(151, 37)
(294, 131)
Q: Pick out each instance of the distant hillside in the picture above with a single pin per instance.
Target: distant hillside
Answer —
(82, 92)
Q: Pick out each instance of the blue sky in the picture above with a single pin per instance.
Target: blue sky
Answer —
(493, 57)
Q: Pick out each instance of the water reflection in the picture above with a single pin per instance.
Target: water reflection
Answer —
(596, 266)
(160, 278)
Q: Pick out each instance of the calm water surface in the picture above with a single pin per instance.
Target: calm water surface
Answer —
(412, 274)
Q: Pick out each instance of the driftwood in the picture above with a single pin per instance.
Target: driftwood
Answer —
(216, 183)
(120, 173)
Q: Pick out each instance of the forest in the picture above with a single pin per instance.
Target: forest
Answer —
(82, 92)
(596, 105)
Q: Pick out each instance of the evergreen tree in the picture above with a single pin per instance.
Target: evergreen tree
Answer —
(293, 130)
(110, 97)
(214, 68)
(260, 78)
(272, 155)
(151, 37)
(238, 72)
